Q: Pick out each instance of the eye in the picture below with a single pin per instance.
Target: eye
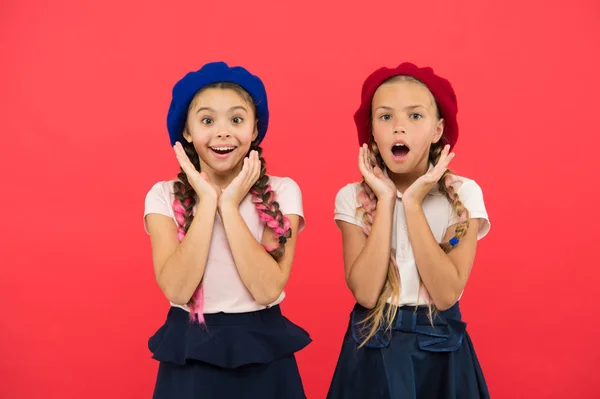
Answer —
(385, 117)
(416, 116)
(207, 121)
(237, 120)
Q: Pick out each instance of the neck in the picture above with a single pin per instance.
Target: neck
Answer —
(222, 179)
(404, 180)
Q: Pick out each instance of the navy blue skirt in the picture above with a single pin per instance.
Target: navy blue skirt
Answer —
(235, 355)
(412, 361)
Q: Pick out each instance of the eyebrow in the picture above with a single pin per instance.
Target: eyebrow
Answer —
(385, 107)
(230, 109)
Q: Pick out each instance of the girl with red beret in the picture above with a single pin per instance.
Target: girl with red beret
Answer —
(410, 231)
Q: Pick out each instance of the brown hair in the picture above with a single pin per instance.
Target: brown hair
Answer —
(263, 197)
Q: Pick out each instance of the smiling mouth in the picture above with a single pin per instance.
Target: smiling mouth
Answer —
(222, 150)
(400, 150)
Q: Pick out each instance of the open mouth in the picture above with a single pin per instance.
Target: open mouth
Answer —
(222, 150)
(400, 150)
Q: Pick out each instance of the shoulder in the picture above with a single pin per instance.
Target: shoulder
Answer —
(471, 195)
(289, 197)
(159, 200)
(285, 188)
(279, 182)
(466, 186)
(349, 193)
(161, 191)
(164, 186)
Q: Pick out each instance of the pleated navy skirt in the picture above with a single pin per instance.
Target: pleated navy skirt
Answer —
(235, 355)
(412, 361)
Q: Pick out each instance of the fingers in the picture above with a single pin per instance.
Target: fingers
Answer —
(367, 158)
(254, 166)
(364, 163)
(361, 162)
(183, 159)
(250, 172)
(442, 165)
(257, 167)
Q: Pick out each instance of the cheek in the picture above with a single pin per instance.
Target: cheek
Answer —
(245, 134)
(200, 140)
(422, 138)
(380, 133)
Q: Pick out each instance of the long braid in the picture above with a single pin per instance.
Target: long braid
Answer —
(381, 314)
(183, 207)
(264, 199)
(451, 194)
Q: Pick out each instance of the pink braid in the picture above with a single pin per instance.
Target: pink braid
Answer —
(196, 306)
(268, 213)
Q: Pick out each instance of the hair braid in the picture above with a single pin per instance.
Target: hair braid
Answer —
(264, 199)
(382, 315)
(183, 207)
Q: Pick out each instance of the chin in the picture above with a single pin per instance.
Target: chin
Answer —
(396, 167)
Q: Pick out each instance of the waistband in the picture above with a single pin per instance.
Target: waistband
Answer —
(445, 334)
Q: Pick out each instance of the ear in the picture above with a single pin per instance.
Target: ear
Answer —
(439, 131)
(187, 135)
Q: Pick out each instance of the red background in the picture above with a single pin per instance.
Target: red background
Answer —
(85, 89)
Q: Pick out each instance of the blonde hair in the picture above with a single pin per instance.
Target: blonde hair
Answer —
(382, 315)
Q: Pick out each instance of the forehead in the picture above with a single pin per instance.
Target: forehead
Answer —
(402, 93)
(222, 96)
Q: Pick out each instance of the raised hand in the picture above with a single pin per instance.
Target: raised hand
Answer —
(243, 182)
(419, 189)
(382, 185)
(200, 182)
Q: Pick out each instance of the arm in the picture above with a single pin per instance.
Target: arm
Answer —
(444, 275)
(264, 277)
(366, 258)
(179, 267)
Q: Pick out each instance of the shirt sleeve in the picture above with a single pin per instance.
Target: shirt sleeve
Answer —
(471, 196)
(346, 205)
(157, 201)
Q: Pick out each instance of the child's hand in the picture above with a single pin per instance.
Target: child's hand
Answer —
(382, 185)
(419, 189)
(243, 182)
(204, 188)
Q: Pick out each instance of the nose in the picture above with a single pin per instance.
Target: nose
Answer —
(223, 134)
(399, 128)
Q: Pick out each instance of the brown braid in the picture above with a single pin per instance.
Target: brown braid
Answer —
(268, 207)
(185, 194)
(264, 197)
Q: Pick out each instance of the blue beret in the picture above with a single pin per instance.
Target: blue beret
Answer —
(215, 72)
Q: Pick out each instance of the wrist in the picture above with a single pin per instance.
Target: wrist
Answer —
(208, 203)
(411, 205)
(386, 202)
(226, 207)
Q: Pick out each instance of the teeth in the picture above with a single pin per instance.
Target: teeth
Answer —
(223, 148)
(398, 145)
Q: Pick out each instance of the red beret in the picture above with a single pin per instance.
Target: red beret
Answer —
(440, 88)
